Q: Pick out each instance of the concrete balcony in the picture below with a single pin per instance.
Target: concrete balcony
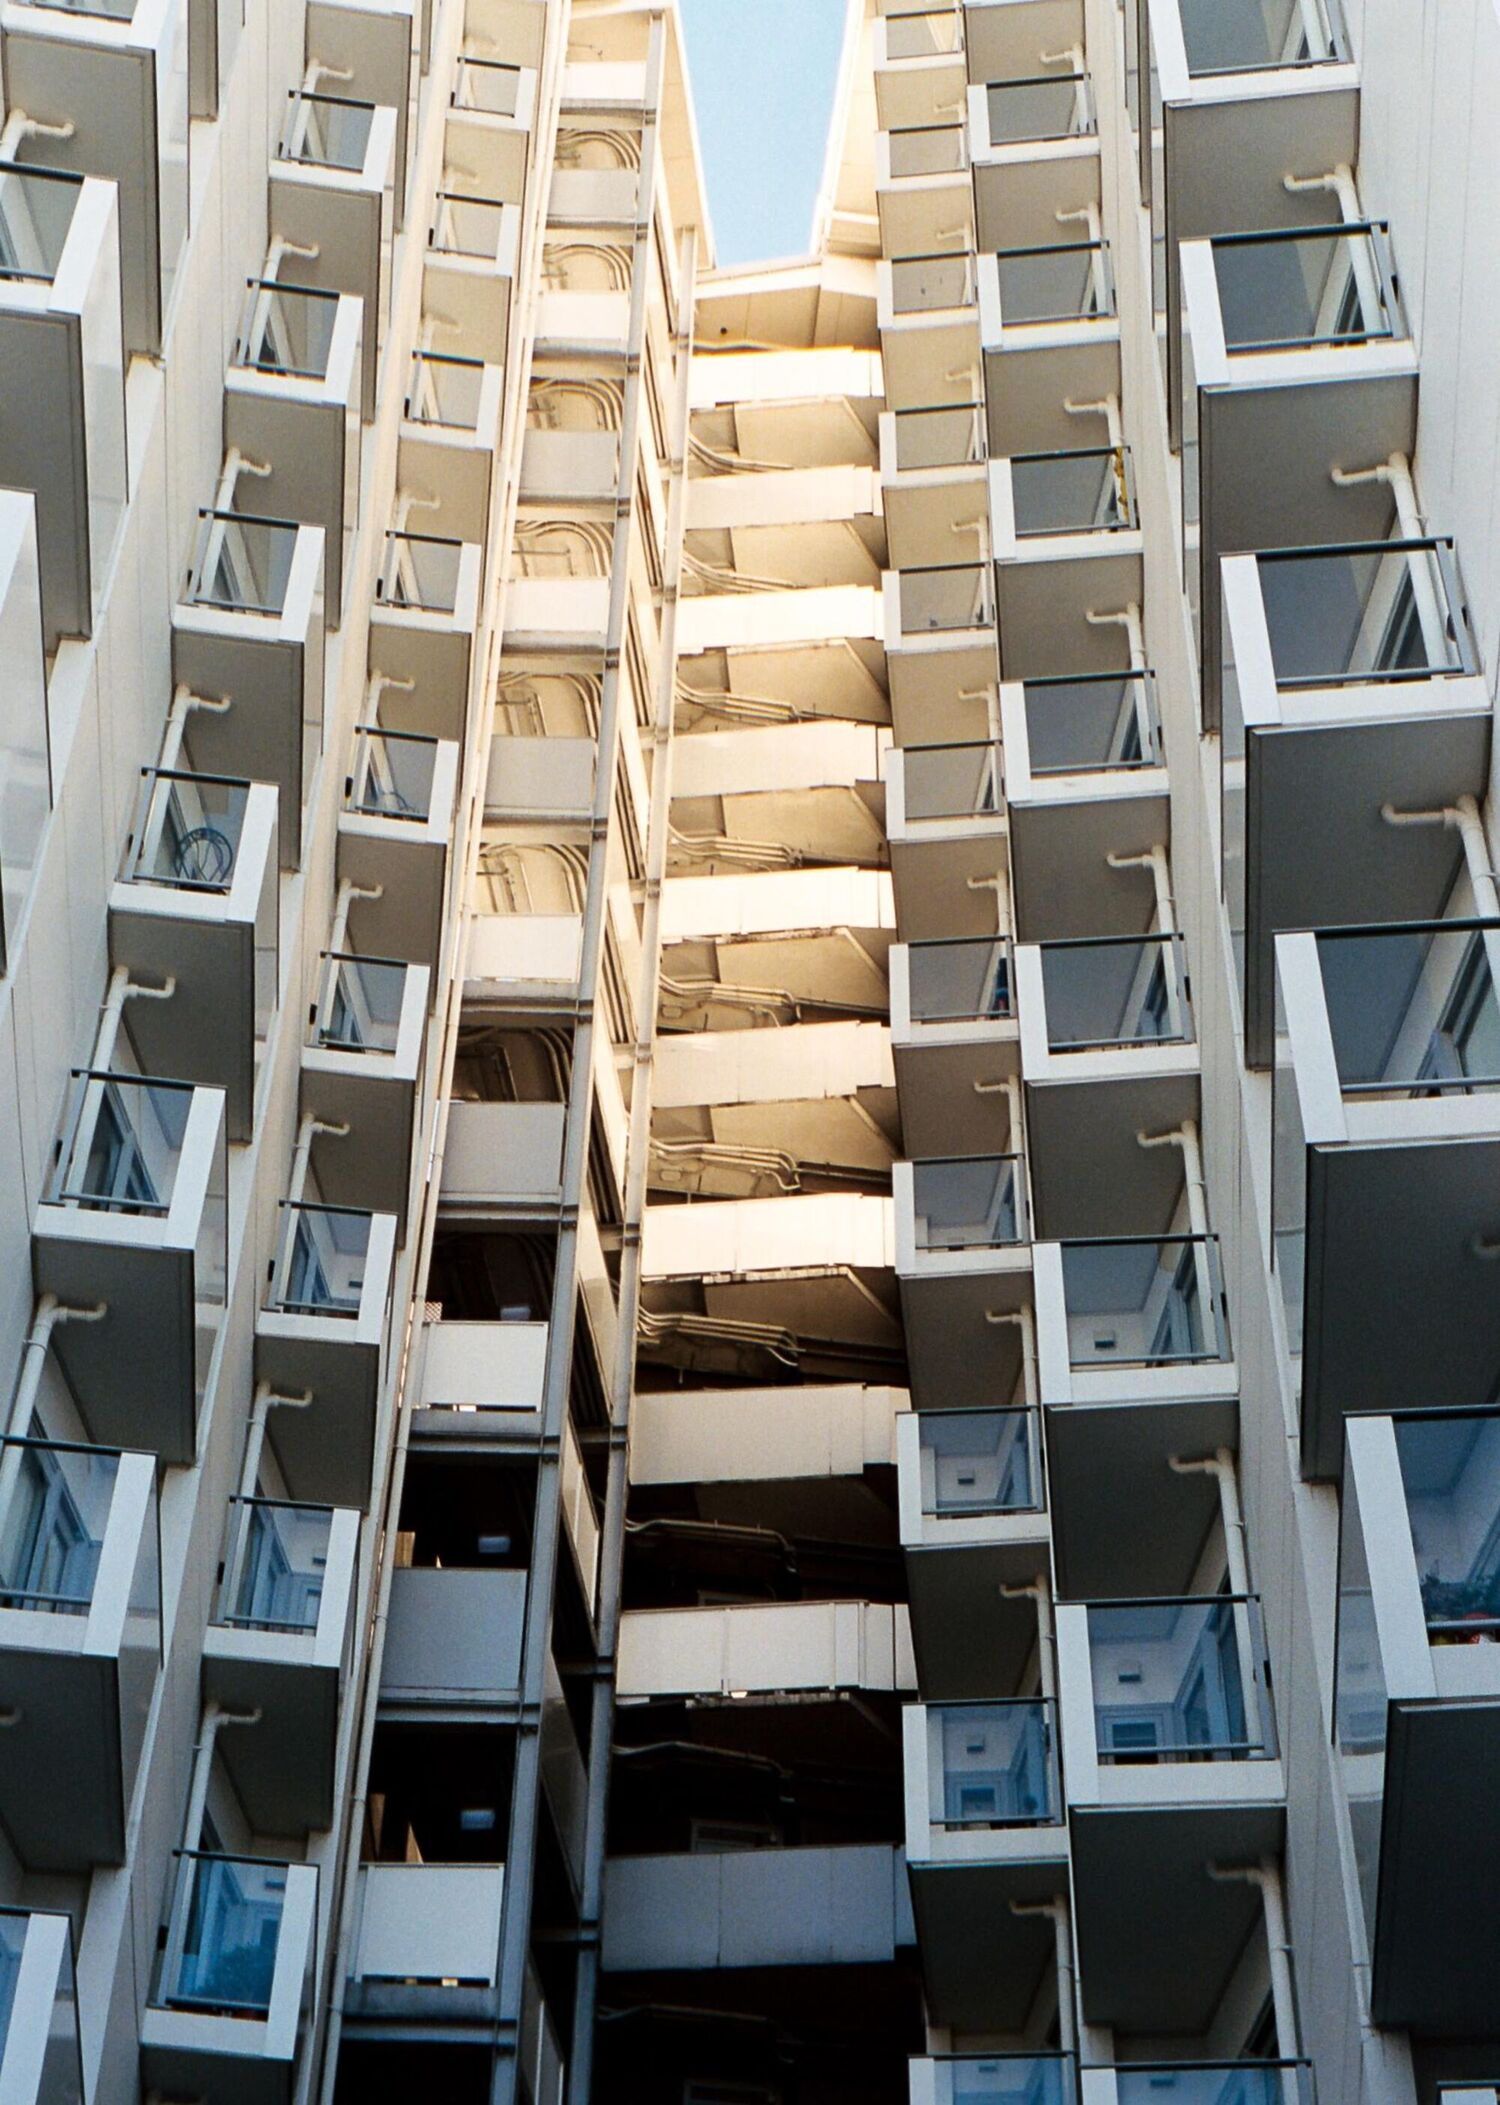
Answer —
(249, 627)
(786, 943)
(933, 485)
(928, 312)
(578, 324)
(454, 1638)
(292, 404)
(1034, 147)
(321, 1328)
(1125, 1520)
(953, 1033)
(1135, 1318)
(1368, 656)
(491, 112)
(818, 406)
(1085, 779)
(945, 817)
(984, 1830)
(1005, 39)
(779, 794)
(973, 1510)
(40, 2062)
(748, 624)
(568, 467)
(922, 188)
(938, 627)
(819, 526)
(232, 1987)
(25, 745)
(918, 57)
(278, 1643)
(80, 1648)
(1170, 1757)
(119, 82)
(756, 1908)
(196, 903)
(1233, 99)
(427, 1925)
(963, 1260)
(1387, 1144)
(593, 197)
(450, 428)
(135, 1218)
(1297, 360)
(1049, 332)
(541, 778)
(332, 193)
(994, 2079)
(557, 614)
(1067, 544)
(1418, 1675)
(503, 1159)
(362, 1062)
(62, 353)
(477, 1381)
(1108, 1053)
(473, 246)
(395, 833)
(522, 961)
(366, 47)
(777, 1648)
(422, 625)
(815, 1270)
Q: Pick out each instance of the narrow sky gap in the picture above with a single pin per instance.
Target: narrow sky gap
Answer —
(763, 75)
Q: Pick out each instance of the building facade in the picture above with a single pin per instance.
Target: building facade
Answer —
(748, 1039)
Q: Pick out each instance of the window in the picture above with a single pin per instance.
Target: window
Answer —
(51, 1558)
(115, 1173)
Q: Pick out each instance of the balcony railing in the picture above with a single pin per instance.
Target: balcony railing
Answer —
(287, 329)
(932, 284)
(123, 1143)
(1061, 282)
(1209, 2083)
(392, 775)
(445, 390)
(187, 830)
(960, 979)
(320, 1261)
(928, 149)
(327, 131)
(938, 33)
(953, 596)
(1307, 288)
(467, 226)
(1116, 991)
(486, 85)
(1102, 720)
(1256, 36)
(55, 1500)
(950, 782)
(219, 1954)
(1374, 610)
(992, 1765)
(969, 1202)
(1145, 1301)
(360, 1005)
(36, 212)
(39, 2049)
(421, 571)
(939, 438)
(1038, 108)
(274, 1566)
(1081, 491)
(994, 2079)
(1180, 1680)
(1450, 1477)
(243, 563)
(1412, 1010)
(978, 1463)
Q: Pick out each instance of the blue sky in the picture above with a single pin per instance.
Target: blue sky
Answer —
(763, 74)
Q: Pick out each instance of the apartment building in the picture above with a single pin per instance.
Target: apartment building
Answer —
(747, 1053)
